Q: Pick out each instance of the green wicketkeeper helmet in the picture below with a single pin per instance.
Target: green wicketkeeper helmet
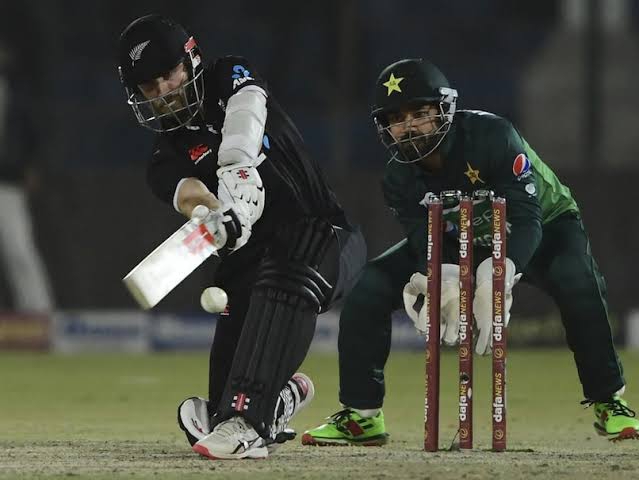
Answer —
(406, 84)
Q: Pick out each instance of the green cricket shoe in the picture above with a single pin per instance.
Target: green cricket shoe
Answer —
(615, 420)
(347, 427)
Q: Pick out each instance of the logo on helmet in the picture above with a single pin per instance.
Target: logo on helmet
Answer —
(136, 52)
(393, 84)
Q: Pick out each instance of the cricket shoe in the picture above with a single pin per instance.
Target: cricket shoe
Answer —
(615, 420)
(296, 395)
(347, 427)
(193, 418)
(232, 439)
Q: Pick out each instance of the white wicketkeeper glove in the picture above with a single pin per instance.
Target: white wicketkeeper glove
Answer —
(418, 285)
(483, 302)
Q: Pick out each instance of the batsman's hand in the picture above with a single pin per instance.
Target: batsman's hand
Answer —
(418, 285)
(483, 302)
(225, 226)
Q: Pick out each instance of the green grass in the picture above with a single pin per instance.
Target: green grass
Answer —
(113, 416)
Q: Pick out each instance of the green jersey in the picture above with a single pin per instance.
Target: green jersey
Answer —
(482, 151)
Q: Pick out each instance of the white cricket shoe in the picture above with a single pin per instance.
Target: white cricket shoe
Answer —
(193, 418)
(232, 439)
(294, 397)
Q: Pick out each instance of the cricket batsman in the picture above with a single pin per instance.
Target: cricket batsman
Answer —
(435, 147)
(227, 153)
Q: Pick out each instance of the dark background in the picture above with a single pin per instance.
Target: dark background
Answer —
(563, 71)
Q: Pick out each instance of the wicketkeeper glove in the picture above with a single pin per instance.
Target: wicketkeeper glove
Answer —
(483, 302)
(418, 285)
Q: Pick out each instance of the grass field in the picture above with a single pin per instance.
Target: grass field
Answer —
(111, 417)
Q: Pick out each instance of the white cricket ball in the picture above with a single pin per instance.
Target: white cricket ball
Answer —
(214, 300)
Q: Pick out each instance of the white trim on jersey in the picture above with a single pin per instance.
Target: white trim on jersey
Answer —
(175, 195)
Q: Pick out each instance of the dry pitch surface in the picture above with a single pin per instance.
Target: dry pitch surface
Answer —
(113, 417)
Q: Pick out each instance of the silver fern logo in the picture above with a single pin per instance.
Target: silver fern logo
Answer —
(136, 52)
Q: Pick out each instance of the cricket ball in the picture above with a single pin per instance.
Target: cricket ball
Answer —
(214, 300)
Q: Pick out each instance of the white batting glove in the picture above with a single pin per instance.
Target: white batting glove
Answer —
(483, 302)
(241, 184)
(213, 220)
(418, 285)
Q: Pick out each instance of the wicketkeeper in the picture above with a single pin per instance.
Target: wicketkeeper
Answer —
(288, 251)
(435, 147)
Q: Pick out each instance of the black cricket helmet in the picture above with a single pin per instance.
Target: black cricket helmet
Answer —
(413, 84)
(150, 47)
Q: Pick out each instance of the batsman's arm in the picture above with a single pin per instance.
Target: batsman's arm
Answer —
(413, 217)
(244, 95)
(190, 193)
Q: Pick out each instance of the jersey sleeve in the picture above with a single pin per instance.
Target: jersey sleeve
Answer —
(231, 74)
(413, 217)
(513, 178)
(164, 173)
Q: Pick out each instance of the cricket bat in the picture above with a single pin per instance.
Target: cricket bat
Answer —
(170, 263)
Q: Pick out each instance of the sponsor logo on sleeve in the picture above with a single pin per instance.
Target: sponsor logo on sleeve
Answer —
(240, 75)
(530, 189)
(521, 166)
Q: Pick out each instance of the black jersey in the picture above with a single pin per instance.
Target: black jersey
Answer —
(293, 182)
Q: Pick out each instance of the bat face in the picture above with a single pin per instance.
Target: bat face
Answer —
(170, 263)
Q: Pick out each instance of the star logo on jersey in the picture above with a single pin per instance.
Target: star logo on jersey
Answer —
(393, 84)
(473, 175)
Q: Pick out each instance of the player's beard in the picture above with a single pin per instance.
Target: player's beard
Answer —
(414, 148)
(172, 109)
(172, 104)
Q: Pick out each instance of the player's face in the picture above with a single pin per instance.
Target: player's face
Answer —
(415, 130)
(413, 122)
(165, 91)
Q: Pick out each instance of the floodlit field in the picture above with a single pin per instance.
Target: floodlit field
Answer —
(114, 417)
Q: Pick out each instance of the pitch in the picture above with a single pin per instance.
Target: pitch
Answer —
(113, 416)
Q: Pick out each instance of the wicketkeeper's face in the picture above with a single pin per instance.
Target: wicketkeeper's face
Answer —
(413, 122)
